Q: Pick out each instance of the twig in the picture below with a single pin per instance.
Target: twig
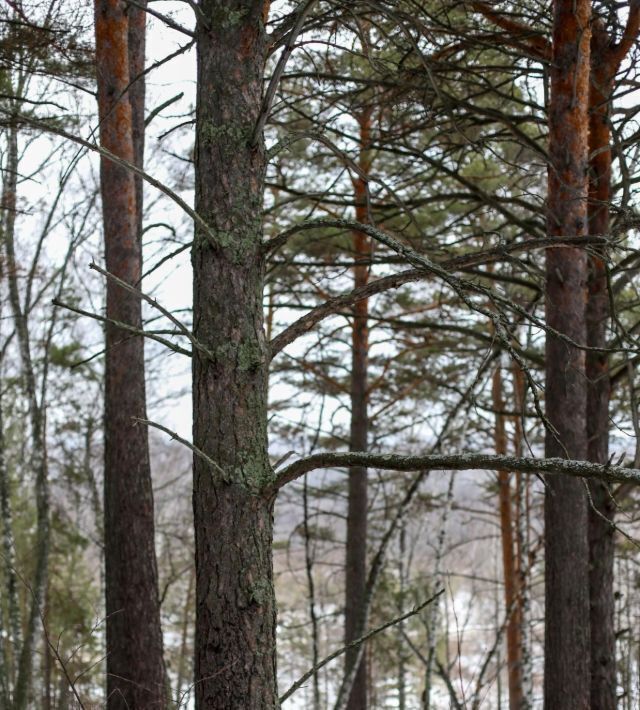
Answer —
(123, 326)
(278, 71)
(198, 452)
(44, 126)
(357, 642)
(152, 302)
(163, 18)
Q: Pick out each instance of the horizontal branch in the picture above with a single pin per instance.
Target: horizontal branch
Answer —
(305, 323)
(458, 462)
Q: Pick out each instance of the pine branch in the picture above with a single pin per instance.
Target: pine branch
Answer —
(457, 462)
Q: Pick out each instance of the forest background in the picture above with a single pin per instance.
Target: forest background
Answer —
(408, 152)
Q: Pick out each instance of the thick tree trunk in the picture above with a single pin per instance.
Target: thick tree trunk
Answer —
(235, 658)
(567, 635)
(135, 668)
(602, 511)
(356, 549)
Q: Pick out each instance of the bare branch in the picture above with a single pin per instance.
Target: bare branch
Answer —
(426, 268)
(152, 302)
(124, 326)
(47, 128)
(358, 642)
(457, 462)
(184, 442)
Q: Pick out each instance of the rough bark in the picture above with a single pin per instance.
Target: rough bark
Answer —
(602, 510)
(356, 547)
(136, 93)
(135, 668)
(235, 658)
(567, 637)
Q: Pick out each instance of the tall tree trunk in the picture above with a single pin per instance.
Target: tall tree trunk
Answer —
(509, 564)
(313, 616)
(135, 667)
(235, 658)
(10, 642)
(606, 57)
(136, 47)
(567, 637)
(524, 558)
(403, 574)
(37, 425)
(602, 511)
(356, 552)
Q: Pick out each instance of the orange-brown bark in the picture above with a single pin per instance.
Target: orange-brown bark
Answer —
(567, 633)
(605, 62)
(509, 561)
(520, 34)
(135, 669)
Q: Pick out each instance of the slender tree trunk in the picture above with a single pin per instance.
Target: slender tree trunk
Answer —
(432, 616)
(509, 564)
(606, 57)
(602, 511)
(313, 616)
(37, 425)
(10, 642)
(403, 573)
(135, 667)
(567, 636)
(184, 657)
(356, 551)
(524, 559)
(235, 657)
(47, 658)
(136, 93)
